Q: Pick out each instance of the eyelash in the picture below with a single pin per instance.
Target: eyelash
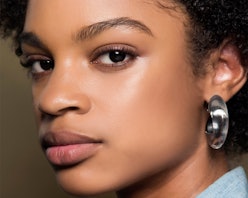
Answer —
(123, 54)
(29, 61)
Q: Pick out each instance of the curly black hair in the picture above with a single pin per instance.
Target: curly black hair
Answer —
(211, 23)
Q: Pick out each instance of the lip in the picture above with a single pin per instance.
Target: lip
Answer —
(68, 149)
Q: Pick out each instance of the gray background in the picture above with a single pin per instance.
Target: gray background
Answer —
(24, 171)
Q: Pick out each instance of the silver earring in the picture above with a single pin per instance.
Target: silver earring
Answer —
(218, 122)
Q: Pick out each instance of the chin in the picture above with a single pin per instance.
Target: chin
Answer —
(83, 183)
(83, 189)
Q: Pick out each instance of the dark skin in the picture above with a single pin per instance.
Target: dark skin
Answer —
(213, 22)
(224, 74)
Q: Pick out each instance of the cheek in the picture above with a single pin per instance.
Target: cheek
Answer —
(35, 97)
(153, 104)
(152, 122)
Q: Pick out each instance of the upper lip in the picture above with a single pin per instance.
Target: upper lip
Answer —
(63, 138)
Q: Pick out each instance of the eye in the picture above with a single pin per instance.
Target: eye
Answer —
(37, 66)
(114, 57)
(41, 66)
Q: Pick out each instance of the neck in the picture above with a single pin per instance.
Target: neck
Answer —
(187, 180)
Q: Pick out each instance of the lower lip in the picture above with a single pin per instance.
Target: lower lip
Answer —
(69, 155)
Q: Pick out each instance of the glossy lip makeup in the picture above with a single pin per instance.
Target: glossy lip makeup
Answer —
(67, 149)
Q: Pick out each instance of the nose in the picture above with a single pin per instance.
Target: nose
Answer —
(62, 92)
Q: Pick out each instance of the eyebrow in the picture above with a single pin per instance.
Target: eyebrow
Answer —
(89, 32)
(31, 39)
(97, 28)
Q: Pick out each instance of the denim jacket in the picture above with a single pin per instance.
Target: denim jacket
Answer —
(231, 185)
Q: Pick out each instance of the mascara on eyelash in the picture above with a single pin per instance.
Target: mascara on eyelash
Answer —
(110, 48)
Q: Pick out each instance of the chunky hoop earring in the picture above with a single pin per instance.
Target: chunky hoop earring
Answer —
(218, 122)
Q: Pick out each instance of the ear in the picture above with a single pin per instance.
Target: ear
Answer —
(225, 75)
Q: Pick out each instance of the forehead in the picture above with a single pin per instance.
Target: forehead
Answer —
(57, 22)
(97, 10)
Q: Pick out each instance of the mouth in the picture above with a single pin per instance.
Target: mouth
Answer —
(64, 149)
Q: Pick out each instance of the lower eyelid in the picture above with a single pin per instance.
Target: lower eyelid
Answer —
(109, 68)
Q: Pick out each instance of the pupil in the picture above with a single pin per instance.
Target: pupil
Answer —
(117, 56)
(46, 64)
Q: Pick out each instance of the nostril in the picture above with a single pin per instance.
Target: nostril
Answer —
(73, 108)
(46, 116)
(55, 102)
(67, 109)
(50, 116)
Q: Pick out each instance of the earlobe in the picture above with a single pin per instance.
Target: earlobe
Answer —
(227, 74)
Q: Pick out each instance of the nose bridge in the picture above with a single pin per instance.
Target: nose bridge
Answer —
(64, 91)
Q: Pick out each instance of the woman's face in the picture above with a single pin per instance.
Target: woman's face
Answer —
(121, 104)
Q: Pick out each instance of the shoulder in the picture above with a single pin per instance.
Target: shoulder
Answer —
(231, 185)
